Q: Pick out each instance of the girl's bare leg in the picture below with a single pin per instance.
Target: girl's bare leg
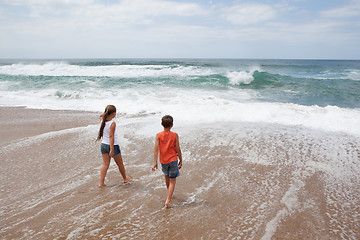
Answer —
(119, 162)
(104, 168)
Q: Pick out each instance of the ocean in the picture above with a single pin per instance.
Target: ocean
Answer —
(319, 94)
(271, 148)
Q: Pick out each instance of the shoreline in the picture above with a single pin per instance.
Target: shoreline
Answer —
(21, 122)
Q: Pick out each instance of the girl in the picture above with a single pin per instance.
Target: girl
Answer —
(110, 144)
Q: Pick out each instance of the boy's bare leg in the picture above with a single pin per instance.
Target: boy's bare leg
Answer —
(104, 168)
(120, 164)
(167, 180)
(172, 182)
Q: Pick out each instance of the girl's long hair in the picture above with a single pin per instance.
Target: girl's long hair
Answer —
(110, 109)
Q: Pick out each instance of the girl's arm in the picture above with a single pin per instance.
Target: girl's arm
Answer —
(156, 153)
(112, 138)
(178, 150)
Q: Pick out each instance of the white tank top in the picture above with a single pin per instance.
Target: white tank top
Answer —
(106, 133)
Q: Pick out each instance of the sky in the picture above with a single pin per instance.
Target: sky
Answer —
(287, 29)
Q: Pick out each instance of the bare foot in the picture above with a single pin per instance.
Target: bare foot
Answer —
(102, 185)
(167, 204)
(128, 178)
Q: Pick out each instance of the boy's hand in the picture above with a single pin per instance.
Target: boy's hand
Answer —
(154, 167)
(180, 164)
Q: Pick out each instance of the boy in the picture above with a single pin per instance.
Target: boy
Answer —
(168, 144)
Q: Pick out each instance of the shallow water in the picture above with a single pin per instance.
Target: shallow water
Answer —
(238, 181)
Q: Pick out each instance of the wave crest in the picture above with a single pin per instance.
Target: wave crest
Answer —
(124, 71)
(242, 77)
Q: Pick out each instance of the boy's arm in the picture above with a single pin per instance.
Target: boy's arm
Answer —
(112, 139)
(178, 150)
(156, 153)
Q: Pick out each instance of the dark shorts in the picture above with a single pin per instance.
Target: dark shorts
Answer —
(171, 169)
(105, 149)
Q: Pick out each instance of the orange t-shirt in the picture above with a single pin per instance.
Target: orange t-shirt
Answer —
(167, 140)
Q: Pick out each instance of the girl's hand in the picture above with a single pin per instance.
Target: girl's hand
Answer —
(111, 153)
(180, 164)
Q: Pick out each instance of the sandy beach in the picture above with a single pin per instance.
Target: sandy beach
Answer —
(245, 182)
(19, 122)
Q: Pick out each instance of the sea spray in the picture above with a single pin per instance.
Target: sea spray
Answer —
(243, 77)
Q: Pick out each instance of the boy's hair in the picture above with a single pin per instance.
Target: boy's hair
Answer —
(167, 121)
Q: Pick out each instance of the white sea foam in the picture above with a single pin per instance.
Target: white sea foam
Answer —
(242, 77)
(202, 189)
(187, 105)
(124, 71)
(353, 74)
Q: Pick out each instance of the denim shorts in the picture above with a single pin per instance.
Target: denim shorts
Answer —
(105, 149)
(171, 169)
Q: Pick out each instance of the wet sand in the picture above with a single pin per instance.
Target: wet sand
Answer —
(237, 182)
(19, 122)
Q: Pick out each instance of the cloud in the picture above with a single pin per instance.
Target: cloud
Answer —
(121, 9)
(83, 16)
(249, 13)
(350, 10)
(145, 28)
